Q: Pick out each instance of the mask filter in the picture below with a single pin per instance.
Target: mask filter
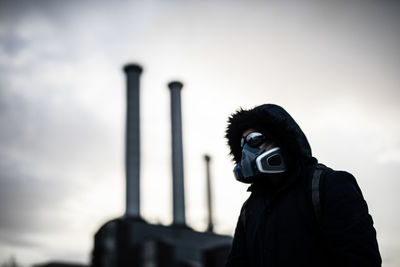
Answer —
(271, 161)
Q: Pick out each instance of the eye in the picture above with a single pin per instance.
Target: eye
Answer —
(254, 139)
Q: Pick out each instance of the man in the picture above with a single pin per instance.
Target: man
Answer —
(299, 213)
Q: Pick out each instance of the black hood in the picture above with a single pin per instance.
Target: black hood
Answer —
(274, 122)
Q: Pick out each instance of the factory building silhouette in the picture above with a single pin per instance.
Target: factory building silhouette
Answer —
(130, 240)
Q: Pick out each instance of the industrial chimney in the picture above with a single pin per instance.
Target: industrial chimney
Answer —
(210, 225)
(132, 139)
(177, 155)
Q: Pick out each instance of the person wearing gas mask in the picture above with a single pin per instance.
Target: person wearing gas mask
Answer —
(299, 212)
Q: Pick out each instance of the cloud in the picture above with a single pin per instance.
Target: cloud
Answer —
(54, 155)
(390, 156)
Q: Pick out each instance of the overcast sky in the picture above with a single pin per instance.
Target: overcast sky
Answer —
(335, 66)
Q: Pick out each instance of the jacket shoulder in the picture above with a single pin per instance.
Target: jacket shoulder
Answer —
(343, 202)
(340, 182)
(347, 225)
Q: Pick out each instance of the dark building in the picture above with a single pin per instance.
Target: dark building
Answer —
(130, 240)
(59, 264)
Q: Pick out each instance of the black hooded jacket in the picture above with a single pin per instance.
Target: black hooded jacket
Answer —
(277, 225)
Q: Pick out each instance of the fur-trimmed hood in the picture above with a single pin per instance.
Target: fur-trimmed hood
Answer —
(273, 121)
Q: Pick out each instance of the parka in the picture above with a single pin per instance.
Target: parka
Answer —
(278, 226)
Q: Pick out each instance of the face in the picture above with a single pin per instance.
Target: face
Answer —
(249, 131)
(261, 159)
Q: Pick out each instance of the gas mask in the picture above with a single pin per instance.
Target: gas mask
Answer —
(256, 161)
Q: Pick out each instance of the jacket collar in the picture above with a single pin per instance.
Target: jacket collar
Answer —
(297, 172)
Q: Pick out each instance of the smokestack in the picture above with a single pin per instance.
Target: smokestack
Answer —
(210, 225)
(132, 139)
(177, 154)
